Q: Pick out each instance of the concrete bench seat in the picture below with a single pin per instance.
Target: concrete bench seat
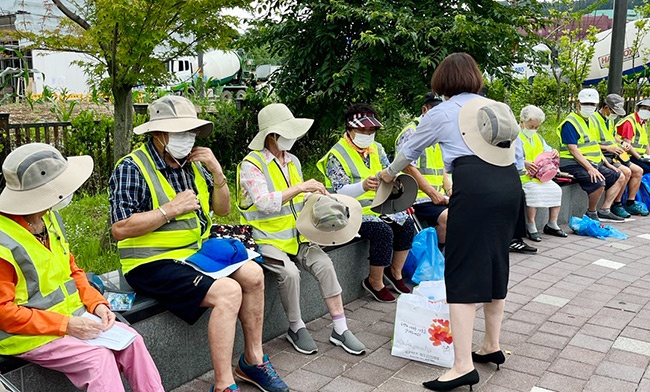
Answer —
(181, 352)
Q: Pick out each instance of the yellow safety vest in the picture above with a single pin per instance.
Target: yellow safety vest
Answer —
(605, 129)
(278, 229)
(429, 164)
(640, 140)
(43, 277)
(355, 168)
(587, 139)
(178, 239)
(532, 148)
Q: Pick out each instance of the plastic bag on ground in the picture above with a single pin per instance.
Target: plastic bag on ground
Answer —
(589, 227)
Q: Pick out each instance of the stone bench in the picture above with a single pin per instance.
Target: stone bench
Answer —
(181, 352)
(574, 203)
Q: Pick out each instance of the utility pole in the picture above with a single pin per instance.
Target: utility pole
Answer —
(615, 78)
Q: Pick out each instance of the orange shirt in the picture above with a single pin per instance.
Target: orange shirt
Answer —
(20, 320)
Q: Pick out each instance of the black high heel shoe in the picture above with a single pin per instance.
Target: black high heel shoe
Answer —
(470, 379)
(496, 358)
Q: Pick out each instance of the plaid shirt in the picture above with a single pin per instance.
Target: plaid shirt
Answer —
(129, 193)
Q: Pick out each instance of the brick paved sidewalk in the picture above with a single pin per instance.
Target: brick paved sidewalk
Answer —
(577, 319)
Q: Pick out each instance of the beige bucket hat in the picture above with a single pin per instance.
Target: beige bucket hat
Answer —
(277, 118)
(330, 220)
(395, 196)
(173, 113)
(39, 177)
(489, 129)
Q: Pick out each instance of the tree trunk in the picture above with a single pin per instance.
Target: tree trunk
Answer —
(123, 127)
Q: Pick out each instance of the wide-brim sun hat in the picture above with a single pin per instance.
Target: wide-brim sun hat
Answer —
(395, 196)
(38, 177)
(173, 113)
(277, 118)
(489, 128)
(312, 222)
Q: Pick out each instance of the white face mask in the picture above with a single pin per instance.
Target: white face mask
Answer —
(363, 141)
(285, 144)
(180, 144)
(612, 117)
(529, 132)
(644, 114)
(62, 204)
(586, 111)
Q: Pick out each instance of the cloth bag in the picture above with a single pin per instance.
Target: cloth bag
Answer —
(422, 331)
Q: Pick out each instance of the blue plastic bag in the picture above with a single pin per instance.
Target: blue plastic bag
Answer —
(425, 261)
(589, 227)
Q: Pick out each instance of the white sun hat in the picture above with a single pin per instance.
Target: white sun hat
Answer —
(277, 118)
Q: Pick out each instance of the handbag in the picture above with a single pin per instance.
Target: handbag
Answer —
(422, 332)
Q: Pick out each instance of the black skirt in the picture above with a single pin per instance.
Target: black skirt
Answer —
(483, 212)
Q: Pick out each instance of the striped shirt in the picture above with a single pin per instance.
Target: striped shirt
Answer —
(129, 193)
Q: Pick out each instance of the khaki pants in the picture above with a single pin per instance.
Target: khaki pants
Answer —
(312, 259)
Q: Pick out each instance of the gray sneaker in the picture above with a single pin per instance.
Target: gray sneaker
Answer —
(609, 216)
(302, 341)
(348, 342)
(592, 215)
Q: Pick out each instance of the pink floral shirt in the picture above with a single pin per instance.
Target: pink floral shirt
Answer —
(254, 189)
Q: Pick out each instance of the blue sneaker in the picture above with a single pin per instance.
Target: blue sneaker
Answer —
(637, 209)
(621, 211)
(264, 376)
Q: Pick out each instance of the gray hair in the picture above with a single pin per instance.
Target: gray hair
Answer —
(532, 112)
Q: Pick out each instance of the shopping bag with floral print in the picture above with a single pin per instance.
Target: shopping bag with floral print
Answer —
(422, 331)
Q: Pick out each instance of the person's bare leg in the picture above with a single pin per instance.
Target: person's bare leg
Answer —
(594, 197)
(335, 305)
(225, 297)
(531, 212)
(553, 214)
(251, 314)
(611, 193)
(635, 181)
(399, 258)
(376, 277)
(462, 328)
(441, 227)
(625, 171)
(493, 317)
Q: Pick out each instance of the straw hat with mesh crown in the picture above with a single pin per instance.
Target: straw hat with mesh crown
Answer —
(173, 113)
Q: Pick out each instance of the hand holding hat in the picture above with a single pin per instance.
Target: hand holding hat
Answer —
(329, 220)
(395, 196)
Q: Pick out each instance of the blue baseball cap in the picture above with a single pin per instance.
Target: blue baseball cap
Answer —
(218, 253)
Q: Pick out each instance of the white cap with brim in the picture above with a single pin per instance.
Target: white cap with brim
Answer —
(395, 196)
(643, 102)
(173, 113)
(489, 129)
(38, 177)
(330, 220)
(277, 118)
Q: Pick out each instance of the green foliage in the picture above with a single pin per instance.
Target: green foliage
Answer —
(91, 136)
(133, 41)
(337, 52)
(86, 222)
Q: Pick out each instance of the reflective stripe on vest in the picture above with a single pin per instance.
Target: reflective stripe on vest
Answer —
(177, 239)
(640, 139)
(605, 129)
(532, 148)
(429, 163)
(279, 228)
(43, 277)
(355, 168)
(587, 139)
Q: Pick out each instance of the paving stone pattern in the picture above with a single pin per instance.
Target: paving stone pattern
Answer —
(577, 319)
